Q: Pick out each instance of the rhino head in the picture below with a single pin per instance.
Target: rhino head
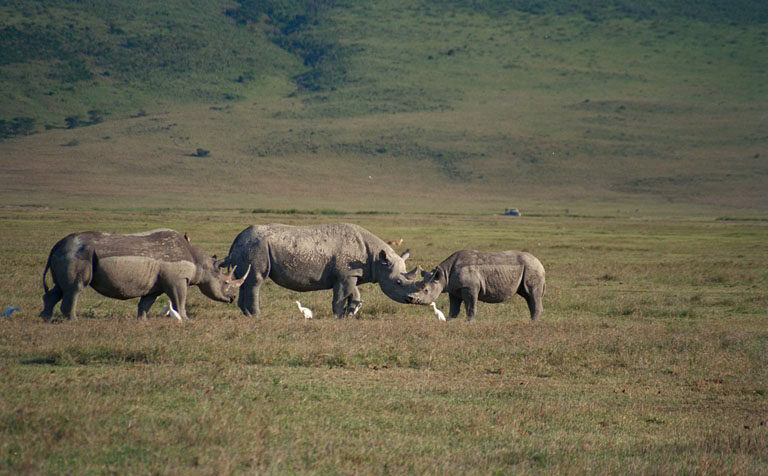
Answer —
(429, 288)
(390, 273)
(220, 284)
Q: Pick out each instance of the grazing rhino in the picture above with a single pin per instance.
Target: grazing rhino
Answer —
(142, 265)
(470, 275)
(310, 258)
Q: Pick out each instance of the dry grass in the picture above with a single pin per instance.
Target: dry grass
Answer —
(650, 358)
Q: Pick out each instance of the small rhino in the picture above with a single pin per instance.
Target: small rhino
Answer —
(470, 275)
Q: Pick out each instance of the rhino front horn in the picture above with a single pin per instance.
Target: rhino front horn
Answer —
(240, 281)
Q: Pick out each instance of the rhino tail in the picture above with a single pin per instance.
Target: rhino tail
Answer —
(47, 267)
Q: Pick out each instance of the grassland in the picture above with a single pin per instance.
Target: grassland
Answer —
(650, 358)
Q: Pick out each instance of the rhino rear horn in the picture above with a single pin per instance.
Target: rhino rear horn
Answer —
(414, 273)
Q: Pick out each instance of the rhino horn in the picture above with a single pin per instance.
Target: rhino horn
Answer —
(414, 273)
(239, 282)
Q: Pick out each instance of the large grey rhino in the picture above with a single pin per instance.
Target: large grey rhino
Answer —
(142, 265)
(472, 276)
(310, 258)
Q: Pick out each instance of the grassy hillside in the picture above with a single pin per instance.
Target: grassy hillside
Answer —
(603, 108)
(63, 59)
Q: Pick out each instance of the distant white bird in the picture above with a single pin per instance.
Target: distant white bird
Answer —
(356, 305)
(438, 312)
(168, 310)
(305, 310)
(9, 310)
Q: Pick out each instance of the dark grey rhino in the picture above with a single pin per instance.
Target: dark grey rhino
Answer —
(142, 265)
(472, 276)
(310, 258)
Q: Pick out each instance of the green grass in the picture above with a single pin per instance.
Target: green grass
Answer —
(650, 357)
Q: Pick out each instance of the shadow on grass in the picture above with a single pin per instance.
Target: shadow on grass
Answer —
(97, 355)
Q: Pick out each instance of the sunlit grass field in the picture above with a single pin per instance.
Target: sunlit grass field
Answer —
(650, 357)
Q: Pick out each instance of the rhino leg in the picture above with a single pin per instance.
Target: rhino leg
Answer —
(69, 302)
(344, 290)
(72, 275)
(455, 306)
(469, 296)
(248, 296)
(352, 300)
(50, 299)
(145, 303)
(533, 292)
(178, 296)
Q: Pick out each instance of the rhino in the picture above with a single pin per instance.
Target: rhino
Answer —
(142, 265)
(336, 256)
(470, 275)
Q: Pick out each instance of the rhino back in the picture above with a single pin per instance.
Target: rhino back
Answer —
(308, 258)
(162, 245)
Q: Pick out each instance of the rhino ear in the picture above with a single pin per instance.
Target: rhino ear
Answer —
(383, 257)
(406, 255)
(425, 274)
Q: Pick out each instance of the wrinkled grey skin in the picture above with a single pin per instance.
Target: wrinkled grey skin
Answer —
(142, 265)
(310, 258)
(472, 276)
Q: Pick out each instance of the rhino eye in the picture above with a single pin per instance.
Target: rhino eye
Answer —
(399, 282)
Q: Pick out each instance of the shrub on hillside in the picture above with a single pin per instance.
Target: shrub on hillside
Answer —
(18, 126)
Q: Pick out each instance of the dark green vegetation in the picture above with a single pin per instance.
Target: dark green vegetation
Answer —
(61, 59)
(650, 358)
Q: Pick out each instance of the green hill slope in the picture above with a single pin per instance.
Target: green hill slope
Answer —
(400, 105)
(62, 59)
